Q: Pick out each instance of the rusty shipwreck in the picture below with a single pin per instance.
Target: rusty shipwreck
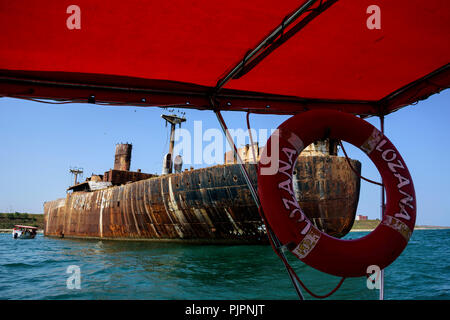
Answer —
(211, 204)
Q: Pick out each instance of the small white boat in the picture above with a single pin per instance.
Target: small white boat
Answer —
(24, 232)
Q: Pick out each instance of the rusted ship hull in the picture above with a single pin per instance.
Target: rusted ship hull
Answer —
(211, 204)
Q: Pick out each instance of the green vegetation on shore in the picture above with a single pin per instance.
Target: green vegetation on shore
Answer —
(365, 224)
(8, 220)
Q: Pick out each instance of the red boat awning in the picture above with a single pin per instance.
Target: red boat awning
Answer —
(259, 56)
(27, 227)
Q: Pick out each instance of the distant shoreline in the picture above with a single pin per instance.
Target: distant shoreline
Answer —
(371, 224)
(415, 228)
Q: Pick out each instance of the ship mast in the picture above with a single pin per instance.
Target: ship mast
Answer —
(76, 172)
(173, 120)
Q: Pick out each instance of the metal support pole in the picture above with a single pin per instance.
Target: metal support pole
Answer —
(382, 214)
(255, 197)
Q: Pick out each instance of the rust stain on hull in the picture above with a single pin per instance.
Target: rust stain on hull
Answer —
(212, 204)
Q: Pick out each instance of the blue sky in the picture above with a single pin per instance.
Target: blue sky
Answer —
(40, 142)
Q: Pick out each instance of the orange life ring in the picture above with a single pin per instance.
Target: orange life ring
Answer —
(346, 258)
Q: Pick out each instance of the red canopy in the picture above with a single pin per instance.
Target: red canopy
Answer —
(262, 56)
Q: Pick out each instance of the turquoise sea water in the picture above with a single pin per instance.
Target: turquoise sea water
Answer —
(36, 269)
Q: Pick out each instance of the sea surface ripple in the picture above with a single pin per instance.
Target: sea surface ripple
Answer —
(37, 269)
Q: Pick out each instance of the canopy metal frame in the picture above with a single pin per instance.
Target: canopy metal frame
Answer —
(250, 60)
